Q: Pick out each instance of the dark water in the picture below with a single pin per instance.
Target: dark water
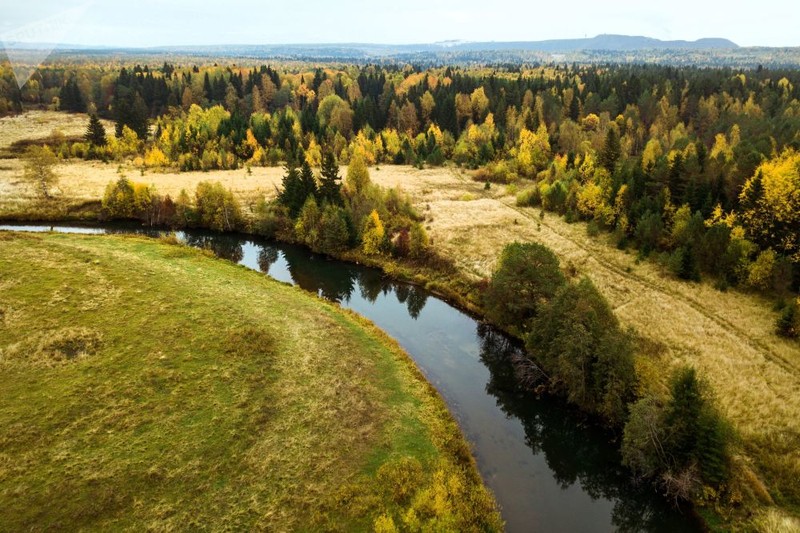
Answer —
(549, 469)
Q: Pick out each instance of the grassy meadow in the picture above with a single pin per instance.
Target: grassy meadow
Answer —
(146, 385)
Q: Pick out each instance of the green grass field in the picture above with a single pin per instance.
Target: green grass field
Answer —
(145, 385)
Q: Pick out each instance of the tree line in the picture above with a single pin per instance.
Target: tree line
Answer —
(322, 211)
(698, 166)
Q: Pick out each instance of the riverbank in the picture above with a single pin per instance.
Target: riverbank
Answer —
(166, 387)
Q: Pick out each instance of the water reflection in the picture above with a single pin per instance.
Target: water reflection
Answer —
(226, 247)
(267, 257)
(569, 445)
(334, 280)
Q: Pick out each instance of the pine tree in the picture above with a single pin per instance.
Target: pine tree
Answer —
(96, 133)
(290, 195)
(130, 110)
(329, 189)
(611, 151)
(308, 184)
(298, 185)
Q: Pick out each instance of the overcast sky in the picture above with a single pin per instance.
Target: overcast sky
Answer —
(141, 23)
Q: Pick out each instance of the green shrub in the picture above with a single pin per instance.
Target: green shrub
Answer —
(683, 263)
(529, 197)
(711, 252)
(760, 271)
(498, 172)
(335, 228)
(649, 232)
(554, 197)
(788, 323)
(309, 225)
(272, 220)
(684, 440)
(217, 208)
(527, 275)
(577, 339)
(418, 242)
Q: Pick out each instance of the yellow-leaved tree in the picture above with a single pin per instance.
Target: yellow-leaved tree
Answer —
(374, 234)
(533, 152)
(357, 177)
(39, 163)
(770, 205)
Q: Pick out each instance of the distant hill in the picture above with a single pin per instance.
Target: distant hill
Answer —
(600, 42)
(366, 51)
(605, 48)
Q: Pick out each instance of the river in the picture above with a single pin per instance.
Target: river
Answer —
(549, 469)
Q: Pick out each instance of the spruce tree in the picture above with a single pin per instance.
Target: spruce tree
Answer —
(677, 178)
(70, 97)
(611, 151)
(96, 133)
(575, 107)
(696, 432)
(683, 415)
(329, 189)
(298, 185)
(308, 183)
(130, 110)
(207, 90)
(448, 120)
(290, 196)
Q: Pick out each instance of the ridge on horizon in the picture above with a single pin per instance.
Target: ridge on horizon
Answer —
(603, 41)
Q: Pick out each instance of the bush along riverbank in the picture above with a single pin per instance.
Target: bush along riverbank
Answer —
(674, 438)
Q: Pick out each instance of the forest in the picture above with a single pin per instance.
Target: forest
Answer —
(698, 166)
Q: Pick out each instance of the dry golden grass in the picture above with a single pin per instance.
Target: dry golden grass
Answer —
(80, 181)
(772, 521)
(40, 124)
